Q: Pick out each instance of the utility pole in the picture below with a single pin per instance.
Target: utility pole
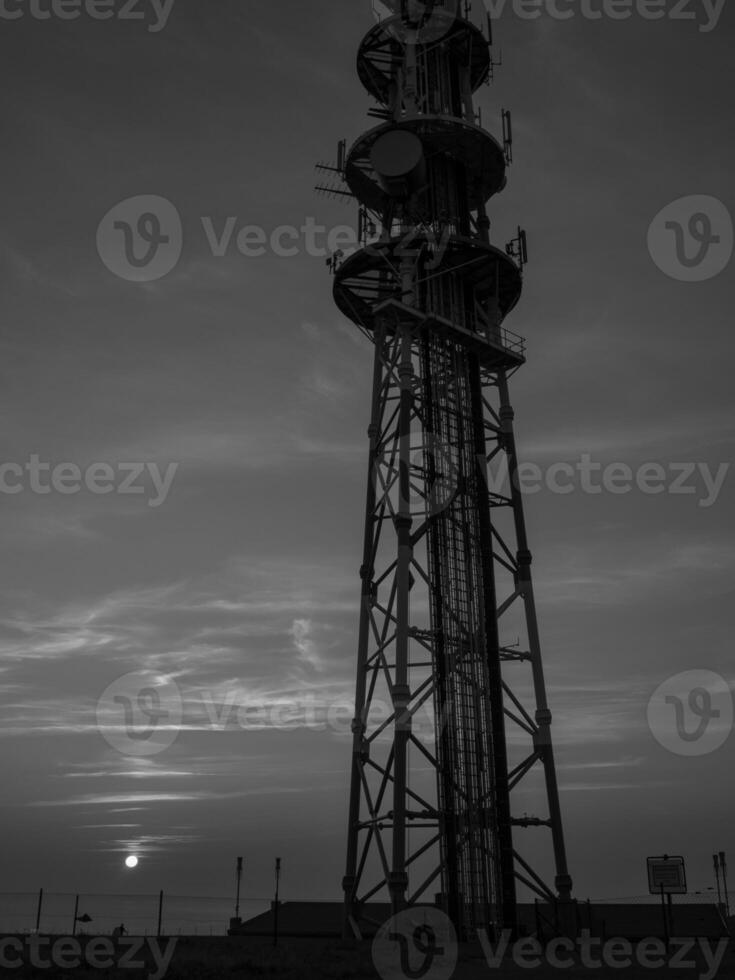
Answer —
(275, 904)
(160, 912)
(723, 868)
(716, 862)
(239, 878)
(38, 911)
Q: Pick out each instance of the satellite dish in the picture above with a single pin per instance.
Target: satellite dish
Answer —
(398, 160)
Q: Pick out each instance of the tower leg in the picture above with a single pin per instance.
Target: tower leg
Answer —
(359, 722)
(401, 690)
(542, 737)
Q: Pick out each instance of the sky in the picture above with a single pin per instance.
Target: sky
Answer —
(237, 580)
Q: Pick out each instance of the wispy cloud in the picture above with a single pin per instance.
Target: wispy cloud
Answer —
(108, 799)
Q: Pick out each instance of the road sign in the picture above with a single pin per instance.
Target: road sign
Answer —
(667, 875)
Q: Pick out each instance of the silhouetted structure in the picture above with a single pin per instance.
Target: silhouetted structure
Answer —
(446, 561)
(602, 920)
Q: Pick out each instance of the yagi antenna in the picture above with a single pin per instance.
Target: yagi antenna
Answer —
(336, 193)
(341, 161)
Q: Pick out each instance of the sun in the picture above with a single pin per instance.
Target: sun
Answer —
(131, 862)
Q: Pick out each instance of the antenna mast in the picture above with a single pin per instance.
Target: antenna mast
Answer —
(446, 570)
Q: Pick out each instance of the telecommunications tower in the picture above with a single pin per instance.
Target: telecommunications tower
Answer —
(452, 727)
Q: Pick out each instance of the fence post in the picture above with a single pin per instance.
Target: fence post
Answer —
(38, 911)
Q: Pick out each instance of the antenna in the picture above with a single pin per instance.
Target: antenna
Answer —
(334, 261)
(518, 248)
(341, 161)
(335, 192)
(366, 227)
(378, 113)
(508, 136)
(491, 43)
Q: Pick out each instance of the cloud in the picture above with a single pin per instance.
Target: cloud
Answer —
(107, 799)
(301, 633)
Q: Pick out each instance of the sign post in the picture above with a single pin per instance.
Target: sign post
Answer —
(665, 917)
(666, 877)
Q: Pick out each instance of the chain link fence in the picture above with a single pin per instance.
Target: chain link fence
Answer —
(53, 913)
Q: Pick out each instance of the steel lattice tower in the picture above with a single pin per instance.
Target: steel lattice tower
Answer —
(446, 561)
